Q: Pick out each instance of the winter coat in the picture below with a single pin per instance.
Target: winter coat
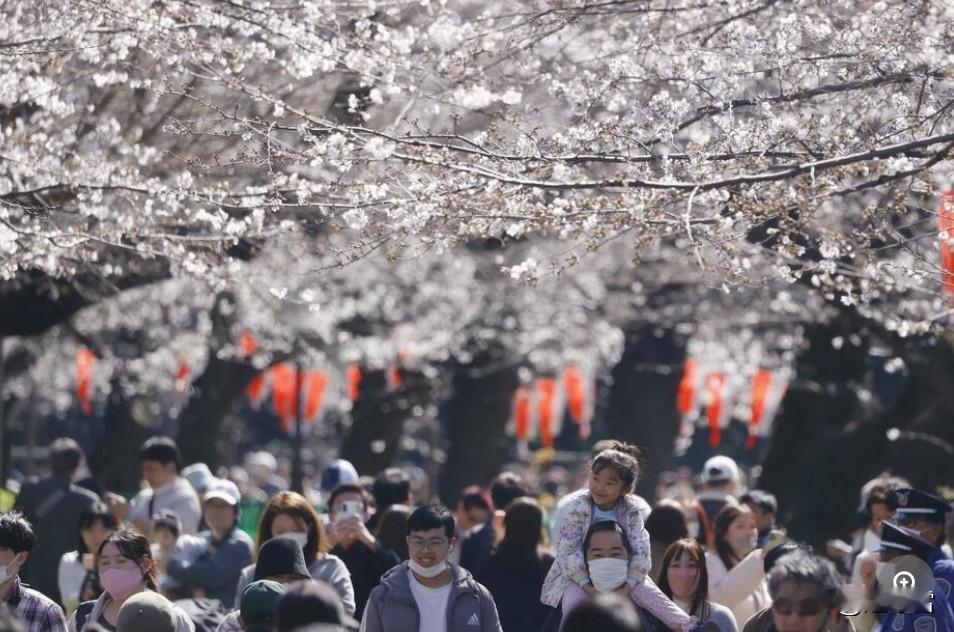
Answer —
(516, 592)
(392, 608)
(570, 565)
(743, 589)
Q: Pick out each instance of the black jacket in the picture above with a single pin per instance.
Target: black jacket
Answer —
(517, 592)
(366, 567)
(53, 506)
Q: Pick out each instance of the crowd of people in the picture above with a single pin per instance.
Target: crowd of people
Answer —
(523, 554)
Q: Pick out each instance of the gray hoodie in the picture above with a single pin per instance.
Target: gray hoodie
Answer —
(391, 607)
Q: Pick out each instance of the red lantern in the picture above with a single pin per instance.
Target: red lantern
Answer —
(85, 360)
(761, 383)
(353, 377)
(248, 344)
(182, 375)
(715, 387)
(546, 397)
(947, 250)
(256, 389)
(284, 393)
(521, 413)
(317, 385)
(575, 388)
(395, 378)
(686, 396)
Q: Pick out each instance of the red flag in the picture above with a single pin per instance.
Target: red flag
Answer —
(85, 359)
(546, 395)
(353, 377)
(715, 386)
(947, 250)
(521, 413)
(575, 388)
(761, 382)
(317, 385)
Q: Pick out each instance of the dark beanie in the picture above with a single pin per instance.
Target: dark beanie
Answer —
(312, 602)
(280, 556)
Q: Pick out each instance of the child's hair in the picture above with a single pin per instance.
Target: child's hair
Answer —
(623, 458)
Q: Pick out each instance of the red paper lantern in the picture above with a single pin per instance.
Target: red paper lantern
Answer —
(353, 377)
(575, 388)
(182, 375)
(686, 396)
(521, 413)
(761, 383)
(715, 387)
(546, 397)
(85, 360)
(317, 384)
(256, 389)
(284, 393)
(946, 215)
(248, 344)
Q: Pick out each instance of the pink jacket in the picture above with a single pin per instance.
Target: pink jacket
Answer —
(570, 564)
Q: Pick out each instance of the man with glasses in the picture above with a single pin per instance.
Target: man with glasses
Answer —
(926, 514)
(428, 593)
(805, 596)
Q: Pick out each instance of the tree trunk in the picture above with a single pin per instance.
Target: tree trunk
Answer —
(642, 399)
(213, 393)
(377, 424)
(477, 413)
(115, 461)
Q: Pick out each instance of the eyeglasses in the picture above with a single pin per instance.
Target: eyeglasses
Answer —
(434, 544)
(804, 608)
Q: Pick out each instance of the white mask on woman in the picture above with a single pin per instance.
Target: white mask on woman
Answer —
(608, 573)
(295, 536)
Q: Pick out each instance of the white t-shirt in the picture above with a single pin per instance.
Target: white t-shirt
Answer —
(431, 603)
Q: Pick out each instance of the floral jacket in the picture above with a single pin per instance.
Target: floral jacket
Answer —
(570, 564)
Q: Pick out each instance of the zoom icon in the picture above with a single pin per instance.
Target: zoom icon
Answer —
(904, 582)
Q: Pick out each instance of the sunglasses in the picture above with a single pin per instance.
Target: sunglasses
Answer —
(804, 608)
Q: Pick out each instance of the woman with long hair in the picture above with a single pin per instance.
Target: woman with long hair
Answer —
(515, 571)
(735, 567)
(683, 578)
(126, 567)
(290, 515)
(76, 575)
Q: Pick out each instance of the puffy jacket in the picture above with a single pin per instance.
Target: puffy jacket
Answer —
(392, 608)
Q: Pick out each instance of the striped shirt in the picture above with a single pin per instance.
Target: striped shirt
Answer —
(40, 613)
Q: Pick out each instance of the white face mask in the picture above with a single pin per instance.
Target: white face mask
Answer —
(608, 573)
(295, 536)
(429, 572)
(5, 573)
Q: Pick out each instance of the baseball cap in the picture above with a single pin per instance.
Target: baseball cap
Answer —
(337, 472)
(146, 612)
(223, 489)
(720, 469)
(259, 604)
(199, 476)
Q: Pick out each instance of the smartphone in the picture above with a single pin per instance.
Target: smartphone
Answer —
(349, 509)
